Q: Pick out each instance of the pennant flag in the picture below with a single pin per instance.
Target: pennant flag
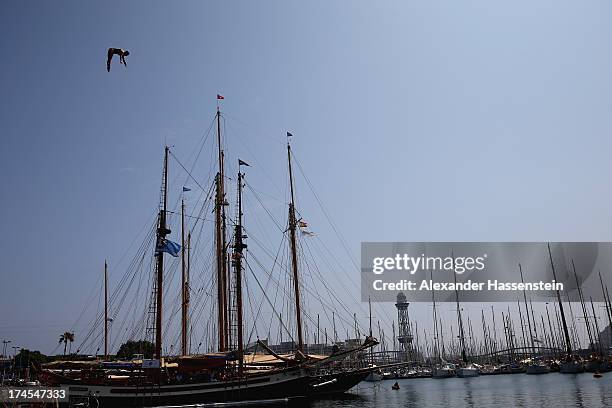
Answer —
(168, 247)
(308, 233)
(186, 189)
(289, 134)
(220, 96)
(302, 224)
(243, 163)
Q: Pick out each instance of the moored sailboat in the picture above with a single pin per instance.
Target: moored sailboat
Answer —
(571, 364)
(444, 371)
(537, 366)
(467, 368)
(214, 377)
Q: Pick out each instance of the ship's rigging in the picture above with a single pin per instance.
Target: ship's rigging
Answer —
(267, 271)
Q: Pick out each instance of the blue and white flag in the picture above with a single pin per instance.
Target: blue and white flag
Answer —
(169, 247)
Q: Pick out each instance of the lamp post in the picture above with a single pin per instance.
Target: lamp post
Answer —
(15, 348)
(4, 344)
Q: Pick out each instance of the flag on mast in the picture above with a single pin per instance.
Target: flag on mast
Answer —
(220, 97)
(169, 247)
(243, 163)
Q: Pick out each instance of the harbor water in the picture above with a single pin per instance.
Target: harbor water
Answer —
(520, 390)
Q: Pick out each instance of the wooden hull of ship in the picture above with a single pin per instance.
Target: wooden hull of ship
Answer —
(275, 386)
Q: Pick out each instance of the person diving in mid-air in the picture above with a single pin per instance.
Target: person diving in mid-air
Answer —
(118, 51)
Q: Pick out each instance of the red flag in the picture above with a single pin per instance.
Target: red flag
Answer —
(220, 96)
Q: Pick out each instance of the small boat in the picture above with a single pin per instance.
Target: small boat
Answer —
(597, 374)
(444, 371)
(510, 369)
(516, 369)
(395, 386)
(423, 372)
(387, 375)
(469, 370)
(537, 367)
(488, 370)
(540, 368)
(408, 374)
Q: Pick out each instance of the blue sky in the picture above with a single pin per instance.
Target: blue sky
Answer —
(415, 121)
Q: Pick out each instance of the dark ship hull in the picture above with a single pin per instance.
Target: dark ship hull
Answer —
(274, 386)
(338, 383)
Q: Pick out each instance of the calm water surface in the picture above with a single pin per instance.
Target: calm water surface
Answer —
(520, 390)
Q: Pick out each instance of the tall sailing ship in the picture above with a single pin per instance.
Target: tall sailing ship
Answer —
(230, 373)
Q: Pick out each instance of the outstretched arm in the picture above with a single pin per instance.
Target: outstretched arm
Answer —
(108, 60)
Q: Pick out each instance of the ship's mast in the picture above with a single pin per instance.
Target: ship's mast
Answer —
(187, 287)
(239, 246)
(105, 310)
(370, 314)
(162, 231)
(294, 261)
(568, 345)
(585, 314)
(184, 287)
(370, 329)
(221, 245)
(606, 300)
(599, 345)
(334, 324)
(528, 317)
(437, 354)
(459, 318)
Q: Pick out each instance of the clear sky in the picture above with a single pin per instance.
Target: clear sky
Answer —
(415, 121)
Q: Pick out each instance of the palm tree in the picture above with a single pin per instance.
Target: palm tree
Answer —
(65, 338)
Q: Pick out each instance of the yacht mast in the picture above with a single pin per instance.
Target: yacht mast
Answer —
(436, 345)
(459, 318)
(606, 300)
(528, 317)
(584, 309)
(568, 345)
